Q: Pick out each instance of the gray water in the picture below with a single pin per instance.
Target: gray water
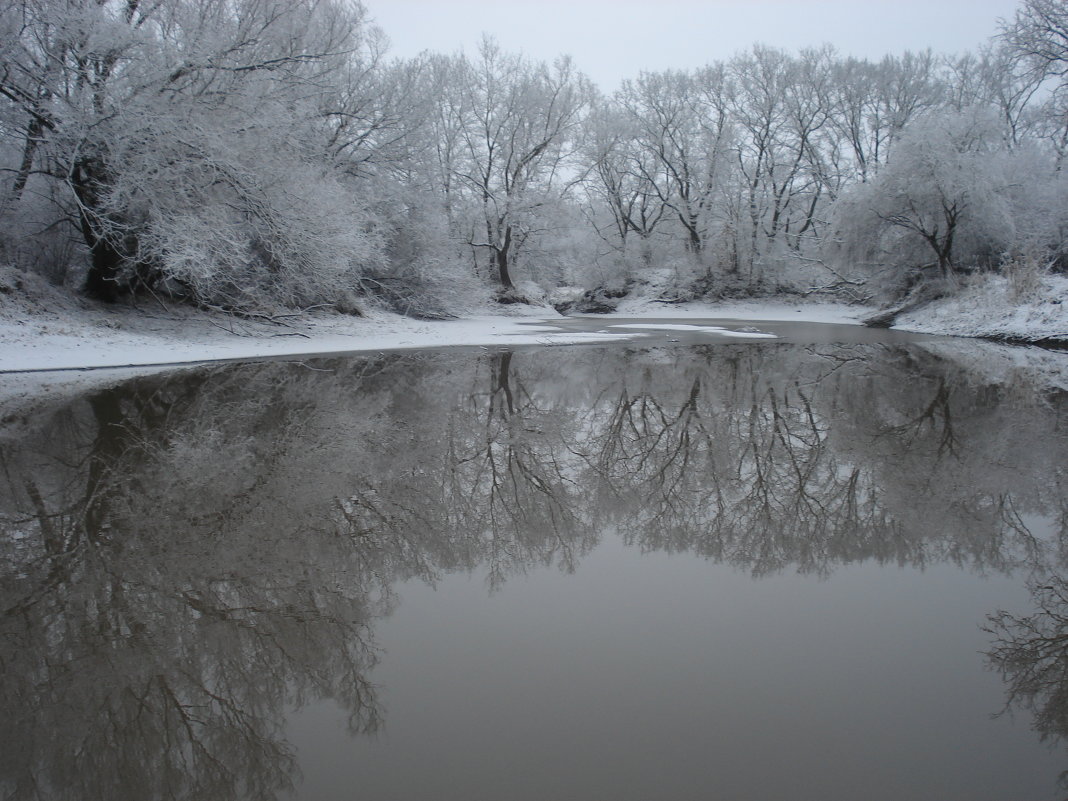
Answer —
(821, 567)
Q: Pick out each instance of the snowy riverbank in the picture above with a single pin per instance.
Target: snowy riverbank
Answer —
(53, 344)
(1031, 309)
(45, 329)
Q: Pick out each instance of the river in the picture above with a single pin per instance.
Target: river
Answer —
(825, 565)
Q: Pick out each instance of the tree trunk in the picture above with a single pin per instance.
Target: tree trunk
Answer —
(106, 262)
(105, 266)
(502, 258)
(29, 150)
(693, 236)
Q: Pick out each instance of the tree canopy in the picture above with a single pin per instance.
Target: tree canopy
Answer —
(249, 153)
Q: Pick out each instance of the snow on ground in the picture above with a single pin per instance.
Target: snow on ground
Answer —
(1033, 309)
(754, 310)
(54, 345)
(45, 328)
(158, 339)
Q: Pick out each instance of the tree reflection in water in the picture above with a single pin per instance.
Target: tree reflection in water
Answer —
(186, 557)
(1031, 654)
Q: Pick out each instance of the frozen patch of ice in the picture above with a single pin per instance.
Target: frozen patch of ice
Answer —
(705, 329)
(569, 338)
(669, 326)
(748, 334)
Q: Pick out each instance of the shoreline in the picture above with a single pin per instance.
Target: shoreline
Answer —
(49, 358)
(95, 338)
(52, 332)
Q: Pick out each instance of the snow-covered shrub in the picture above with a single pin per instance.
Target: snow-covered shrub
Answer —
(1026, 276)
(423, 271)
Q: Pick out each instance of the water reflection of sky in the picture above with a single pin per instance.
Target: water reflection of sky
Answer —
(663, 676)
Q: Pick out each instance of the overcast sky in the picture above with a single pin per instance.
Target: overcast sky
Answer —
(614, 39)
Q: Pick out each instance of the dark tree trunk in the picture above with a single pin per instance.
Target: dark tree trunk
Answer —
(33, 138)
(104, 279)
(502, 259)
(693, 241)
(105, 266)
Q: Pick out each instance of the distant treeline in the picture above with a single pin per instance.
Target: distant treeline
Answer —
(251, 153)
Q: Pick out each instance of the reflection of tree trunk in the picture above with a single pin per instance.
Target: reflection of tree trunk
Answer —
(113, 439)
(84, 520)
(501, 372)
(52, 539)
(938, 414)
(114, 429)
(107, 447)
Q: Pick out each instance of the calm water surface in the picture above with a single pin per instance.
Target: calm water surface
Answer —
(814, 567)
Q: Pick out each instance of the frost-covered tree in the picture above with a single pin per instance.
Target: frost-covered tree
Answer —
(520, 127)
(620, 179)
(1038, 38)
(202, 147)
(683, 140)
(994, 77)
(243, 153)
(1039, 31)
(942, 201)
